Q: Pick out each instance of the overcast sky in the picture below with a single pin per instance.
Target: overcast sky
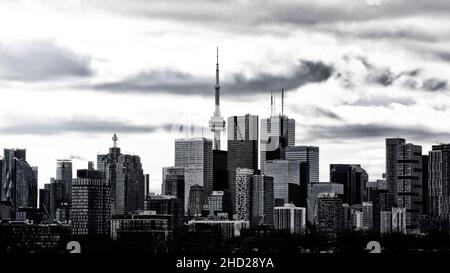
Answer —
(73, 72)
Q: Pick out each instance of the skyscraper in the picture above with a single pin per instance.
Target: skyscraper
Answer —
(277, 132)
(330, 213)
(196, 200)
(195, 156)
(392, 145)
(242, 201)
(167, 205)
(409, 183)
(173, 183)
(44, 200)
(439, 181)
(217, 123)
(19, 181)
(354, 178)
(57, 198)
(254, 197)
(64, 174)
(314, 189)
(90, 210)
(242, 148)
(404, 179)
(308, 154)
(261, 200)
(284, 172)
(367, 208)
(220, 170)
(125, 175)
(425, 179)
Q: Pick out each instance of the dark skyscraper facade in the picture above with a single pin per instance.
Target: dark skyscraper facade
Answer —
(125, 175)
(409, 183)
(392, 146)
(261, 200)
(173, 183)
(242, 148)
(220, 170)
(90, 210)
(64, 174)
(306, 154)
(439, 181)
(57, 197)
(354, 178)
(19, 181)
(44, 199)
(330, 213)
(425, 178)
(196, 200)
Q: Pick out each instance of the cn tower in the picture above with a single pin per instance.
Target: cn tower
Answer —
(217, 123)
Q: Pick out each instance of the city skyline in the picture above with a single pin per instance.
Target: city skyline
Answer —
(77, 93)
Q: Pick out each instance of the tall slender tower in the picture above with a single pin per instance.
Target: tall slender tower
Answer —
(217, 123)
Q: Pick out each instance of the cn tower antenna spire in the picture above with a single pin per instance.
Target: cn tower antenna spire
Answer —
(217, 123)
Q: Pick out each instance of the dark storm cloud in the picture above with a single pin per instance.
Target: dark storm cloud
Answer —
(245, 14)
(435, 84)
(384, 76)
(377, 33)
(40, 61)
(442, 55)
(367, 131)
(174, 82)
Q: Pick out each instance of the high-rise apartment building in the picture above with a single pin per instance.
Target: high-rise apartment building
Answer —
(90, 210)
(439, 182)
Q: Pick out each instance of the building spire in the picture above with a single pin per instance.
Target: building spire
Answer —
(282, 101)
(217, 123)
(271, 103)
(115, 138)
(217, 87)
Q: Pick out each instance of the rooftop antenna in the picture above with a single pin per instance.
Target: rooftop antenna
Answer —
(115, 138)
(271, 103)
(274, 104)
(282, 101)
